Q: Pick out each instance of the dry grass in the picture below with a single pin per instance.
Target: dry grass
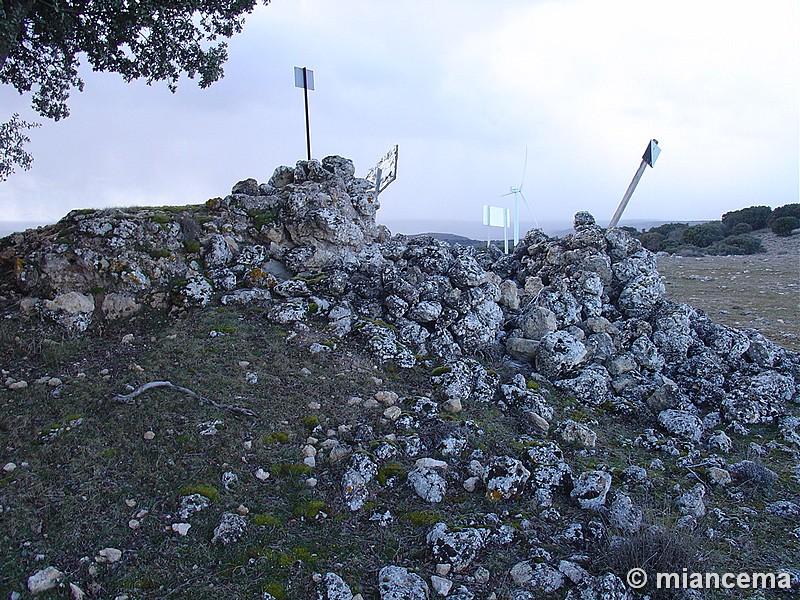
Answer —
(761, 292)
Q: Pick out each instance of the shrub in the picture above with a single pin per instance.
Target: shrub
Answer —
(741, 229)
(783, 226)
(737, 244)
(756, 216)
(787, 210)
(703, 235)
(656, 550)
(652, 240)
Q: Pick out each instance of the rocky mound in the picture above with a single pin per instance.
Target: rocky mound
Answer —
(586, 312)
(580, 318)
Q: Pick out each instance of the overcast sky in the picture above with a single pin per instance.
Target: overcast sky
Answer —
(464, 87)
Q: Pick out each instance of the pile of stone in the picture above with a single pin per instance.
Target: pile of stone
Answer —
(585, 312)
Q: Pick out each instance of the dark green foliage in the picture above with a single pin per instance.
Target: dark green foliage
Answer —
(783, 226)
(787, 210)
(737, 244)
(756, 216)
(42, 44)
(703, 235)
(741, 228)
(652, 240)
(12, 142)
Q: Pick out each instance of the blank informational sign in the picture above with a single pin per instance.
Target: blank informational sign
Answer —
(495, 216)
(385, 172)
(298, 78)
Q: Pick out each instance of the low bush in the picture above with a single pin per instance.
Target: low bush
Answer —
(656, 549)
(703, 235)
(783, 226)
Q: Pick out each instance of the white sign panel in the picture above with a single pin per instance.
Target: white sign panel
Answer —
(495, 216)
(298, 78)
(385, 172)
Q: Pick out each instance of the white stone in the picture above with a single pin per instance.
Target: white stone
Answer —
(149, 435)
(431, 463)
(441, 585)
(76, 593)
(9, 467)
(44, 580)
(181, 528)
(393, 413)
(262, 475)
(453, 406)
(108, 555)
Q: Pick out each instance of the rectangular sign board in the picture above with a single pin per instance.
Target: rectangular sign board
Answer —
(495, 216)
(298, 78)
(385, 172)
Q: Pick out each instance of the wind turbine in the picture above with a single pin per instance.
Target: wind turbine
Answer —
(517, 191)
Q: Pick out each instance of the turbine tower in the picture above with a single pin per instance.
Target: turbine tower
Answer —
(517, 191)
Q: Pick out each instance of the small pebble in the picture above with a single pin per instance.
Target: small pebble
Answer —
(181, 528)
(134, 524)
(9, 467)
(149, 435)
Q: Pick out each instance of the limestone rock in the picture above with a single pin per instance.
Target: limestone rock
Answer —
(457, 548)
(681, 423)
(591, 488)
(44, 580)
(398, 583)
(504, 478)
(361, 470)
(428, 484)
(230, 529)
(335, 588)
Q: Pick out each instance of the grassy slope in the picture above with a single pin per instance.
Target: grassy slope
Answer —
(87, 455)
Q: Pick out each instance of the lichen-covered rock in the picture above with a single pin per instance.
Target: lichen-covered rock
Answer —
(681, 423)
(361, 470)
(591, 488)
(428, 484)
(457, 548)
(335, 588)
(759, 399)
(230, 529)
(504, 478)
(559, 354)
(398, 583)
(602, 587)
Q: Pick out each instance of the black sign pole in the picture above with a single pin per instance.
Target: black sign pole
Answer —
(308, 123)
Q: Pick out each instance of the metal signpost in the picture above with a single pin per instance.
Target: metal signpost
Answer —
(385, 172)
(649, 158)
(304, 78)
(496, 216)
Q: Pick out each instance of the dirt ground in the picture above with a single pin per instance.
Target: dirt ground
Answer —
(761, 291)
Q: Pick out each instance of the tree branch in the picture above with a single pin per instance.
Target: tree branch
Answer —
(129, 398)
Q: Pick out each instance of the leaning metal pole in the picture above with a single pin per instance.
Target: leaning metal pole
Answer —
(626, 198)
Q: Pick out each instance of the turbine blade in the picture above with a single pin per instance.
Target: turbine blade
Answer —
(529, 208)
(524, 168)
